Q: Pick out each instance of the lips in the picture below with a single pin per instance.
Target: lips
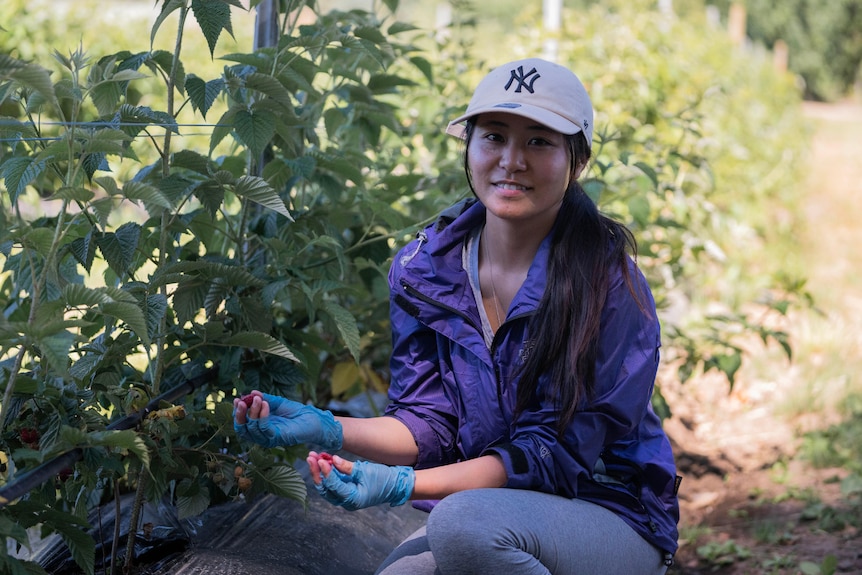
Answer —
(510, 186)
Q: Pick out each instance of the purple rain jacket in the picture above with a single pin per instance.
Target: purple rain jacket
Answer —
(457, 397)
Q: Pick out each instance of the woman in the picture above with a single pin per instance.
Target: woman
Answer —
(525, 348)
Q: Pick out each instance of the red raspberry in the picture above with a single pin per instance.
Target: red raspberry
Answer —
(29, 435)
(326, 457)
(247, 399)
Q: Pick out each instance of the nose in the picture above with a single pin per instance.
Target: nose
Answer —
(512, 158)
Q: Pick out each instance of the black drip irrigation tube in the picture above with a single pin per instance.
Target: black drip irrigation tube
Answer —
(50, 469)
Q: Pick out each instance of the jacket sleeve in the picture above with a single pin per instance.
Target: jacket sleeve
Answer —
(416, 391)
(629, 341)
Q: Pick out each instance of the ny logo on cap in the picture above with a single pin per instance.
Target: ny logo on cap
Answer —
(522, 79)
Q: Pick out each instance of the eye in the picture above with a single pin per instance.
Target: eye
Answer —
(539, 142)
(493, 137)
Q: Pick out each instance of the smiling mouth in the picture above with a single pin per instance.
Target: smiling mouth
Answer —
(510, 186)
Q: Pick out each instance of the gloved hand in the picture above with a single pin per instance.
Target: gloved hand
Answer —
(274, 421)
(362, 484)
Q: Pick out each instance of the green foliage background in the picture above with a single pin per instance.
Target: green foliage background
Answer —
(196, 209)
(824, 38)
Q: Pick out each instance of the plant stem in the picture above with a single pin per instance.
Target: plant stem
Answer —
(133, 522)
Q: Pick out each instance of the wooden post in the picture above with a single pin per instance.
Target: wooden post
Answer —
(780, 55)
(552, 12)
(736, 24)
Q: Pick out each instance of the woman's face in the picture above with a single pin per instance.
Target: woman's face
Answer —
(519, 169)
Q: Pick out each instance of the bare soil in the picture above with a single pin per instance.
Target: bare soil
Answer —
(745, 501)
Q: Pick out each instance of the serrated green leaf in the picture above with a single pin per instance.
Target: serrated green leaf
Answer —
(192, 505)
(285, 481)
(270, 86)
(119, 247)
(261, 342)
(123, 439)
(81, 545)
(111, 301)
(156, 309)
(19, 172)
(254, 129)
(346, 324)
(258, 190)
(30, 76)
(73, 194)
(189, 298)
(222, 128)
(212, 16)
(151, 196)
(203, 94)
(106, 96)
(39, 240)
(9, 528)
(55, 348)
(132, 315)
(84, 250)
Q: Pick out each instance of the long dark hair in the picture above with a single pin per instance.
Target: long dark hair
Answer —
(564, 332)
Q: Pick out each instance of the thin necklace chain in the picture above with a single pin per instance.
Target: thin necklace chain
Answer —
(491, 277)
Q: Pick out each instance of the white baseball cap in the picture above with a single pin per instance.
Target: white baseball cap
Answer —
(536, 89)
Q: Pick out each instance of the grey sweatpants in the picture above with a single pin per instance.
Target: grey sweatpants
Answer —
(515, 531)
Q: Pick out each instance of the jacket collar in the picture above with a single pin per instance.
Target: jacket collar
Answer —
(438, 268)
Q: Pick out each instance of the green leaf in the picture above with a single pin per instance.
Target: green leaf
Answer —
(31, 76)
(268, 85)
(119, 247)
(203, 94)
(153, 199)
(425, 67)
(84, 250)
(212, 16)
(649, 171)
(19, 172)
(9, 528)
(110, 301)
(639, 209)
(387, 83)
(156, 309)
(254, 129)
(211, 195)
(168, 7)
(39, 240)
(55, 348)
(222, 128)
(73, 194)
(191, 499)
(257, 190)
(125, 439)
(261, 342)
(132, 315)
(398, 27)
(81, 545)
(284, 481)
(371, 33)
(346, 324)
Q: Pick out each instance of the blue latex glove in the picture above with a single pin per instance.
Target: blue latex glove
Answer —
(367, 485)
(291, 423)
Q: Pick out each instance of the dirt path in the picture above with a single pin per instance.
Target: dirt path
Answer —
(730, 443)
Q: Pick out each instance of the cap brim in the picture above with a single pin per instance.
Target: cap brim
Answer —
(541, 115)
